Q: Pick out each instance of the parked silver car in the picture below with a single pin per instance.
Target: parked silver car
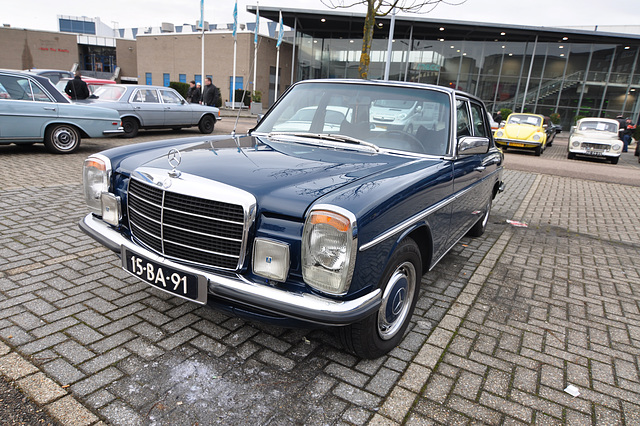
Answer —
(153, 107)
(33, 110)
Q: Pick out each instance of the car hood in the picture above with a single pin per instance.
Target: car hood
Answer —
(284, 177)
(520, 131)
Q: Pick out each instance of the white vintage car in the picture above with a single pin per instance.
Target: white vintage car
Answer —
(595, 137)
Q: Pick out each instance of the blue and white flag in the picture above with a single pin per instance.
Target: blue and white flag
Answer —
(235, 19)
(255, 37)
(280, 32)
(201, 23)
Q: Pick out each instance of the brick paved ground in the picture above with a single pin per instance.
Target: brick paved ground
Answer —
(504, 323)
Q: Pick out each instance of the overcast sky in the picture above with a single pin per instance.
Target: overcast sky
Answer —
(42, 14)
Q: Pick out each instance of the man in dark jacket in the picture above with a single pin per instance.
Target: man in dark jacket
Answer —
(210, 94)
(193, 94)
(76, 88)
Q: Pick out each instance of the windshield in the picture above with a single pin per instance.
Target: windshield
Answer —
(109, 92)
(347, 111)
(531, 120)
(601, 126)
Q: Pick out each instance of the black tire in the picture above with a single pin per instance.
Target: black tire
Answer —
(130, 126)
(206, 124)
(481, 225)
(62, 139)
(571, 155)
(614, 160)
(538, 150)
(382, 331)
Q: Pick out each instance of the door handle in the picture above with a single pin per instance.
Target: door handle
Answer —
(480, 169)
(49, 108)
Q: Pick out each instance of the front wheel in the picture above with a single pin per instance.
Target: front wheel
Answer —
(206, 124)
(614, 160)
(382, 331)
(130, 126)
(62, 139)
(571, 155)
(538, 151)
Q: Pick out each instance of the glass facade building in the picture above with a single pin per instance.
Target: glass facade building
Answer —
(536, 69)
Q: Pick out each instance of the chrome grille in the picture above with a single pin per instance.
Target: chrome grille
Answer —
(184, 227)
(595, 146)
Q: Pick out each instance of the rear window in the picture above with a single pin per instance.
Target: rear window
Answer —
(109, 92)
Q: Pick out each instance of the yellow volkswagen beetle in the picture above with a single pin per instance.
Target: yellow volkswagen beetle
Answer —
(524, 131)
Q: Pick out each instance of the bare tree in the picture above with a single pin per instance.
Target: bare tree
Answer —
(379, 8)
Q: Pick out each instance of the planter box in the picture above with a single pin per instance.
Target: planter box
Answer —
(256, 108)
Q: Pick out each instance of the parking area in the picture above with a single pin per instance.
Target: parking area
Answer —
(548, 297)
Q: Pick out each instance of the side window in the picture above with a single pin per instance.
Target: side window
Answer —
(169, 97)
(146, 95)
(479, 124)
(15, 88)
(462, 119)
(38, 95)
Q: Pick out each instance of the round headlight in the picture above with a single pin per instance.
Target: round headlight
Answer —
(616, 147)
(575, 143)
(536, 137)
(499, 133)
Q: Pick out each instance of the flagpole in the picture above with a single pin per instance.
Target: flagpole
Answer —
(202, 50)
(235, 46)
(255, 50)
(275, 97)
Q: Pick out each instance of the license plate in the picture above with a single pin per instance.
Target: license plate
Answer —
(175, 281)
(595, 153)
(516, 144)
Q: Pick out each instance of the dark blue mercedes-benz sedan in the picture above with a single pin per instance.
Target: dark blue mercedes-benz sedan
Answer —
(327, 213)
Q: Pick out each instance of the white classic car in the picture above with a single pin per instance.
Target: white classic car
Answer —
(595, 137)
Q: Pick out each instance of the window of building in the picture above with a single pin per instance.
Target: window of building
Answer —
(148, 78)
(166, 79)
(182, 78)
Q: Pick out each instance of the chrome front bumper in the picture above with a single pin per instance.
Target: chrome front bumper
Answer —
(118, 131)
(510, 142)
(236, 288)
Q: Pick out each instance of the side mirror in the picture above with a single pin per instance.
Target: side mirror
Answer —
(259, 117)
(502, 124)
(470, 145)
(182, 101)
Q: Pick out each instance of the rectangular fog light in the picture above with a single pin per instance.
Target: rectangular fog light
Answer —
(271, 259)
(110, 208)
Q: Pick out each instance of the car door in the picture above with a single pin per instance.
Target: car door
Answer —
(147, 106)
(469, 171)
(25, 109)
(177, 112)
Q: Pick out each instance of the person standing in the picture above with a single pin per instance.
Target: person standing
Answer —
(193, 94)
(76, 88)
(210, 94)
(626, 134)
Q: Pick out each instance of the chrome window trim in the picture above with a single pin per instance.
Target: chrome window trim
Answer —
(421, 215)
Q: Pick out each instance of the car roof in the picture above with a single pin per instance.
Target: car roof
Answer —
(141, 86)
(44, 70)
(606, 120)
(392, 83)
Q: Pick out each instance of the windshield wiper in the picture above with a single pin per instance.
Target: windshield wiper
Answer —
(329, 137)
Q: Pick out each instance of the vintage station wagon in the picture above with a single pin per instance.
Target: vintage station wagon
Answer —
(300, 222)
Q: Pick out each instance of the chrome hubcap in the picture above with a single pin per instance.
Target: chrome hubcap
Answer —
(396, 300)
